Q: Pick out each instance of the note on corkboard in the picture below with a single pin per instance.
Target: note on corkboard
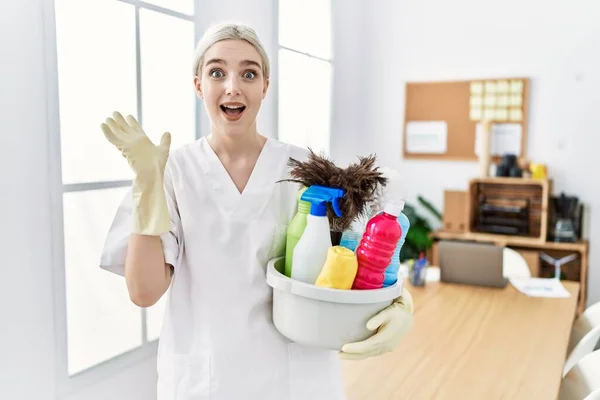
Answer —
(441, 118)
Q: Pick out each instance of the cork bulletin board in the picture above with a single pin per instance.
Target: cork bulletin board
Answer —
(441, 118)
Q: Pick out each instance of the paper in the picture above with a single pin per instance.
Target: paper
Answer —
(516, 87)
(476, 88)
(506, 139)
(516, 114)
(516, 100)
(490, 87)
(503, 101)
(540, 287)
(490, 100)
(429, 137)
(475, 114)
(489, 113)
(476, 101)
(501, 114)
(502, 86)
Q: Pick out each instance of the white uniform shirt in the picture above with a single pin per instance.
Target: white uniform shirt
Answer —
(218, 340)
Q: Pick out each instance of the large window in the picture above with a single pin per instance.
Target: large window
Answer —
(111, 55)
(305, 73)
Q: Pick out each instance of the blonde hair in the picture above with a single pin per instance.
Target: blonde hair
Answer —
(230, 31)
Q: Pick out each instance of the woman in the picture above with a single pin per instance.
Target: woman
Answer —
(203, 220)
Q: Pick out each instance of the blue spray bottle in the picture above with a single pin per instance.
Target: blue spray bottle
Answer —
(391, 272)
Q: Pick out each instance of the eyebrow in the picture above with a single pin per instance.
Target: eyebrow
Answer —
(247, 63)
(215, 61)
(244, 63)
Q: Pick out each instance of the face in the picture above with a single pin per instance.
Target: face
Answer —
(232, 85)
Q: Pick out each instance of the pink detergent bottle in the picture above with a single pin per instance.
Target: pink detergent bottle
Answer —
(376, 248)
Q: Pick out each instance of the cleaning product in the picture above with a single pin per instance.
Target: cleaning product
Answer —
(295, 231)
(310, 253)
(377, 246)
(339, 270)
(391, 272)
(350, 240)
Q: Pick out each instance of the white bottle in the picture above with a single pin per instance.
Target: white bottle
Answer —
(310, 253)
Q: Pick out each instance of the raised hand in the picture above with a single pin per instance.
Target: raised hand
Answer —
(148, 161)
(128, 136)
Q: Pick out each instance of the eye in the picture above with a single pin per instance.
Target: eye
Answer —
(249, 74)
(217, 73)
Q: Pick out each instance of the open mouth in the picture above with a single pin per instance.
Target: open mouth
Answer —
(233, 111)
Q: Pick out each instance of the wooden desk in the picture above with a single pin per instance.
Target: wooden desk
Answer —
(471, 342)
(580, 247)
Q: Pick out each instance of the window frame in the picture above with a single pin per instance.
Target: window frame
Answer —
(68, 384)
(275, 68)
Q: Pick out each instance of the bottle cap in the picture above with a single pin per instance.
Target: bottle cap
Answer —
(394, 209)
(318, 210)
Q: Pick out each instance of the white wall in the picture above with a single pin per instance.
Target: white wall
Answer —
(27, 357)
(557, 44)
(349, 83)
(26, 334)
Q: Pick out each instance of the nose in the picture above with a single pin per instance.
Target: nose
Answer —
(232, 87)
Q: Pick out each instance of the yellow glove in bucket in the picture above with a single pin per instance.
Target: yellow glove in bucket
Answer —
(148, 161)
(339, 270)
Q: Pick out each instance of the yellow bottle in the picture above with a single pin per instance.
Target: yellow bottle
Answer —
(339, 270)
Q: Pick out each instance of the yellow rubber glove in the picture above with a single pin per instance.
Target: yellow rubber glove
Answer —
(149, 204)
(339, 270)
(391, 324)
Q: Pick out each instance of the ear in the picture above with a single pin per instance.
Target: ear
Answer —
(265, 87)
(198, 87)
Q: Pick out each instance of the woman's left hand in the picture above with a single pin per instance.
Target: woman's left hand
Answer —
(391, 324)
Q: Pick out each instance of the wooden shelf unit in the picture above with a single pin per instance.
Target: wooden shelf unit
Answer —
(535, 193)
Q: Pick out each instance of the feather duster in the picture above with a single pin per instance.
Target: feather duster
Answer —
(359, 180)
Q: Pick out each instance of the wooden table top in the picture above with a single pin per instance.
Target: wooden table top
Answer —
(471, 342)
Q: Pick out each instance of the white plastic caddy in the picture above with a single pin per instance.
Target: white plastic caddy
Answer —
(323, 317)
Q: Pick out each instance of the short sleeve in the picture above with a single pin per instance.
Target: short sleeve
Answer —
(116, 243)
(173, 240)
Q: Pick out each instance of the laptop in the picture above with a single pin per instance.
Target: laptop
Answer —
(471, 263)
